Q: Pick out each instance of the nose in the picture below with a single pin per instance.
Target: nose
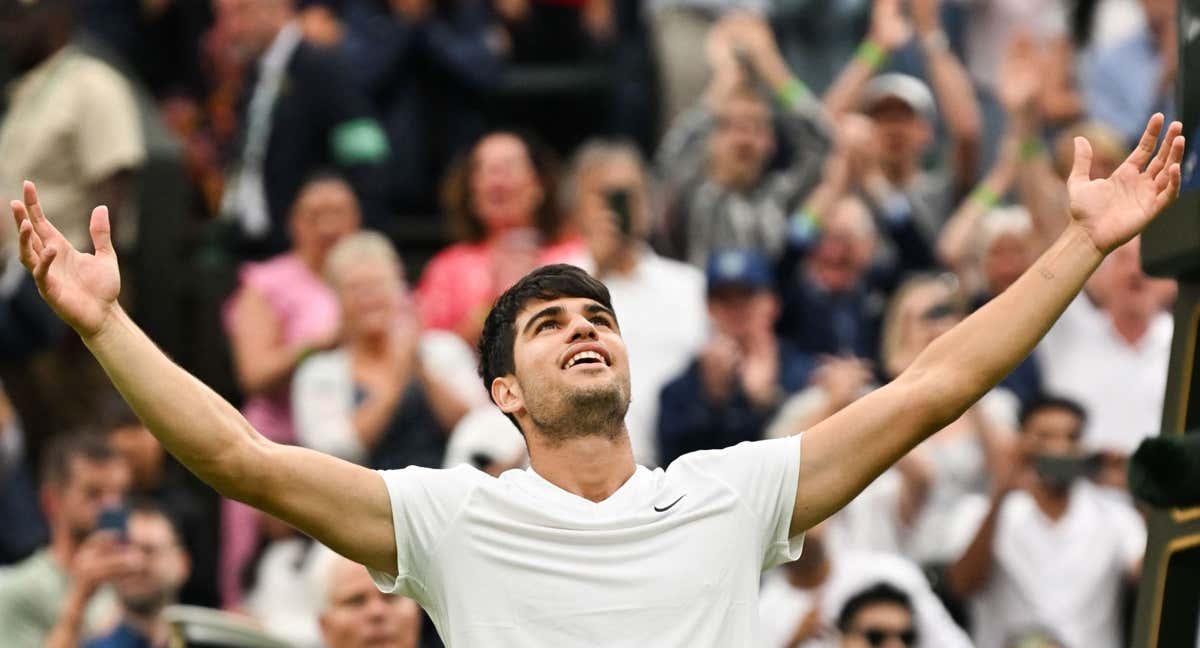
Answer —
(582, 329)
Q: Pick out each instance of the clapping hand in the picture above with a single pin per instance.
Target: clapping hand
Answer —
(82, 288)
(1113, 210)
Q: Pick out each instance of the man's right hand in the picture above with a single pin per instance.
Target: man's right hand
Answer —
(81, 288)
(100, 559)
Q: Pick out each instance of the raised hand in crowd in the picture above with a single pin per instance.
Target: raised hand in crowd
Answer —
(889, 31)
(100, 559)
(718, 367)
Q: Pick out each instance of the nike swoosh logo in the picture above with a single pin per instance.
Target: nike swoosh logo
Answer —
(668, 506)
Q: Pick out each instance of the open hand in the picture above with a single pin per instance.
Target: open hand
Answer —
(81, 288)
(889, 28)
(1113, 210)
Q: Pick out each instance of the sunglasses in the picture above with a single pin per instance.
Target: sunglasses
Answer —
(940, 311)
(877, 636)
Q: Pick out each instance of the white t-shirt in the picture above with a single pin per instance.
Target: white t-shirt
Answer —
(672, 558)
(664, 322)
(1065, 575)
(1121, 386)
(782, 606)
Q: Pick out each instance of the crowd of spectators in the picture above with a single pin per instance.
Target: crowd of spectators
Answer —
(788, 201)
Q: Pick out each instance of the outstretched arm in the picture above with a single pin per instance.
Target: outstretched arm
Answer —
(338, 503)
(843, 454)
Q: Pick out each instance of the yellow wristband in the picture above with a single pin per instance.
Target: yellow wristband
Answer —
(871, 54)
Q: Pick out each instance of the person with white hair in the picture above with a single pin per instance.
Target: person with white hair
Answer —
(355, 614)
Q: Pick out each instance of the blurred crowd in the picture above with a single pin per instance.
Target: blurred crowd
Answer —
(316, 203)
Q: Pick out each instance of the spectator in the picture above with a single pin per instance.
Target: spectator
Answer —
(486, 439)
(1110, 351)
(800, 602)
(378, 399)
(279, 584)
(502, 206)
(282, 312)
(354, 614)
(81, 477)
(1050, 547)
(429, 66)
(961, 457)
(714, 160)
(24, 530)
(735, 385)
(72, 123)
(609, 195)
(904, 112)
(881, 616)
(301, 112)
(156, 477)
(1137, 73)
(156, 567)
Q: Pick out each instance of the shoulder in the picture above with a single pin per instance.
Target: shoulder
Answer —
(434, 483)
(89, 74)
(277, 271)
(745, 456)
(455, 256)
(20, 581)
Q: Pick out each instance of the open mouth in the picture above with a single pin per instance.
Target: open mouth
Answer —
(585, 358)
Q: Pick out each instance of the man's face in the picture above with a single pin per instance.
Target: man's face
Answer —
(1124, 288)
(903, 134)
(251, 24)
(594, 215)
(742, 312)
(158, 565)
(742, 143)
(360, 616)
(571, 369)
(1052, 431)
(846, 247)
(90, 488)
(881, 625)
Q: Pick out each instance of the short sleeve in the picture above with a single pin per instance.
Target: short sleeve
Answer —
(425, 504)
(764, 475)
(1130, 532)
(110, 132)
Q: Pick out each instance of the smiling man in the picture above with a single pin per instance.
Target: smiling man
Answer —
(585, 547)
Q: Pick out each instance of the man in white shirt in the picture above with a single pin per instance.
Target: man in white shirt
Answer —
(800, 602)
(1052, 549)
(1110, 351)
(585, 547)
(606, 190)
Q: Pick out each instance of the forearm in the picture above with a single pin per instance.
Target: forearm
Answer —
(371, 418)
(842, 96)
(971, 571)
(954, 244)
(957, 368)
(192, 422)
(957, 103)
(65, 633)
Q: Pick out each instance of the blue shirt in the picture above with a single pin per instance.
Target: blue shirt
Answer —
(1122, 83)
(124, 636)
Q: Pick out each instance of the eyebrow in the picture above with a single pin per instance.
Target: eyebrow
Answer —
(557, 311)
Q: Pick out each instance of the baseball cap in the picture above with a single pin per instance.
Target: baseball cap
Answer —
(740, 267)
(894, 85)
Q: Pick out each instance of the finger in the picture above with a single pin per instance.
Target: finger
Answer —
(20, 215)
(1171, 192)
(43, 265)
(101, 233)
(1081, 171)
(29, 253)
(34, 208)
(1145, 148)
(1164, 150)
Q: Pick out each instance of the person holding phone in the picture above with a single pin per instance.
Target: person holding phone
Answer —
(1051, 547)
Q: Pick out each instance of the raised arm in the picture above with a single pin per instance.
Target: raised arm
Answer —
(340, 504)
(843, 454)
(889, 31)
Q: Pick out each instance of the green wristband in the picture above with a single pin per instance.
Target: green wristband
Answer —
(793, 92)
(985, 197)
(871, 54)
(1031, 148)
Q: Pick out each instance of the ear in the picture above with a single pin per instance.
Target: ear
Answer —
(48, 496)
(506, 393)
(184, 567)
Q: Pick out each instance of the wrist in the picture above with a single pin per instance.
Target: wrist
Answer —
(934, 40)
(871, 53)
(111, 323)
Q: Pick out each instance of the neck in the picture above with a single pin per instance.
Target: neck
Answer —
(592, 467)
(367, 346)
(1131, 326)
(62, 545)
(899, 172)
(311, 260)
(1053, 503)
(151, 626)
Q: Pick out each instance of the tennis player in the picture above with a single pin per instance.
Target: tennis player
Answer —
(586, 548)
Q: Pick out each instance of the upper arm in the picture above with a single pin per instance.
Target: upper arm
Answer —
(844, 453)
(341, 505)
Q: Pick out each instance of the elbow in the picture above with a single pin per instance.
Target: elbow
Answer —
(242, 466)
(940, 394)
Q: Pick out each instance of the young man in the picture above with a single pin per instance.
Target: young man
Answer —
(879, 617)
(586, 547)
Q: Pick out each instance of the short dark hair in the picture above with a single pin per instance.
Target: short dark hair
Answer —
(1047, 402)
(873, 595)
(499, 329)
(142, 505)
(59, 453)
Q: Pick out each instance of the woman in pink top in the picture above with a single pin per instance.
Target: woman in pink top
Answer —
(501, 201)
(281, 312)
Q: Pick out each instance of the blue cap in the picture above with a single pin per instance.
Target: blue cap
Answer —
(745, 268)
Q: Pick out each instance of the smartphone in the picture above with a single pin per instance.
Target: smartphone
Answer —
(1060, 469)
(114, 519)
(619, 203)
